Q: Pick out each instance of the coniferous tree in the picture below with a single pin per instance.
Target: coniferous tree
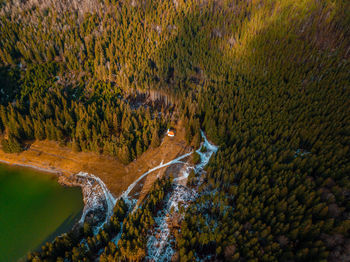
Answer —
(155, 142)
(139, 149)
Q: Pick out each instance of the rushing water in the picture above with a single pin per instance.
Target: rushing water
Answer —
(34, 209)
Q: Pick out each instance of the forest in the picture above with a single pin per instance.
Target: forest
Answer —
(268, 82)
(101, 123)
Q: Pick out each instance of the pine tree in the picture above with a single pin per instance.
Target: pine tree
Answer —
(11, 145)
(196, 142)
(124, 155)
(87, 229)
(155, 138)
(139, 149)
(76, 145)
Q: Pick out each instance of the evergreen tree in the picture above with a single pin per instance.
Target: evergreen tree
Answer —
(155, 142)
(139, 149)
(124, 155)
(76, 146)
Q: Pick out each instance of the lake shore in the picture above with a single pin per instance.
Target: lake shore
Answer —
(45, 170)
(34, 209)
(48, 156)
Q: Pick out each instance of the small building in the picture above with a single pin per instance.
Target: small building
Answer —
(170, 133)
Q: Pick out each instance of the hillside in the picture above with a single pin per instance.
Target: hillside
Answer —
(268, 82)
(49, 156)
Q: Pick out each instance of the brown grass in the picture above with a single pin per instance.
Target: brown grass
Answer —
(50, 156)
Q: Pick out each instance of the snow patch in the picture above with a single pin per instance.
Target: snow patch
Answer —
(160, 242)
(95, 193)
(161, 165)
(204, 158)
(97, 198)
(159, 246)
(301, 152)
(117, 237)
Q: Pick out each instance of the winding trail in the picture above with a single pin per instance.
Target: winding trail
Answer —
(94, 197)
(175, 161)
(160, 246)
(205, 157)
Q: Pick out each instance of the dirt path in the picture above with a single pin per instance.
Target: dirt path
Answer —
(49, 156)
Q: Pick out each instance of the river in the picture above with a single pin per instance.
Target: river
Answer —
(34, 209)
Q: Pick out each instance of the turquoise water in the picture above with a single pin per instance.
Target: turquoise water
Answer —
(34, 209)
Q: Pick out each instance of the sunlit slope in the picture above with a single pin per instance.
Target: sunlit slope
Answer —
(152, 44)
(268, 81)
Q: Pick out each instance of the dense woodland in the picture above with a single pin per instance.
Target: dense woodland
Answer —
(132, 228)
(268, 81)
(70, 247)
(100, 123)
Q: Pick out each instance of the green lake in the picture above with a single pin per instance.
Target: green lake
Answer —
(34, 209)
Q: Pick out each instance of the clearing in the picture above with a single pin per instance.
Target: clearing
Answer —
(49, 156)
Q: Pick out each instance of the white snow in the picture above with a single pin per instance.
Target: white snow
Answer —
(131, 187)
(95, 192)
(160, 241)
(117, 237)
(301, 152)
(205, 157)
(159, 245)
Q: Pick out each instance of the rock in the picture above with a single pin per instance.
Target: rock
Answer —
(98, 200)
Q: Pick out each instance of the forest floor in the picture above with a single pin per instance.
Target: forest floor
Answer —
(50, 157)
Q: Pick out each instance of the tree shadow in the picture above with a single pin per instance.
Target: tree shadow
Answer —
(65, 227)
(9, 85)
(257, 52)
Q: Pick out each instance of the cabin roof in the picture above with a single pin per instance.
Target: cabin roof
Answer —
(170, 133)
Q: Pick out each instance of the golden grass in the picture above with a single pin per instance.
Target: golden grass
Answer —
(50, 156)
